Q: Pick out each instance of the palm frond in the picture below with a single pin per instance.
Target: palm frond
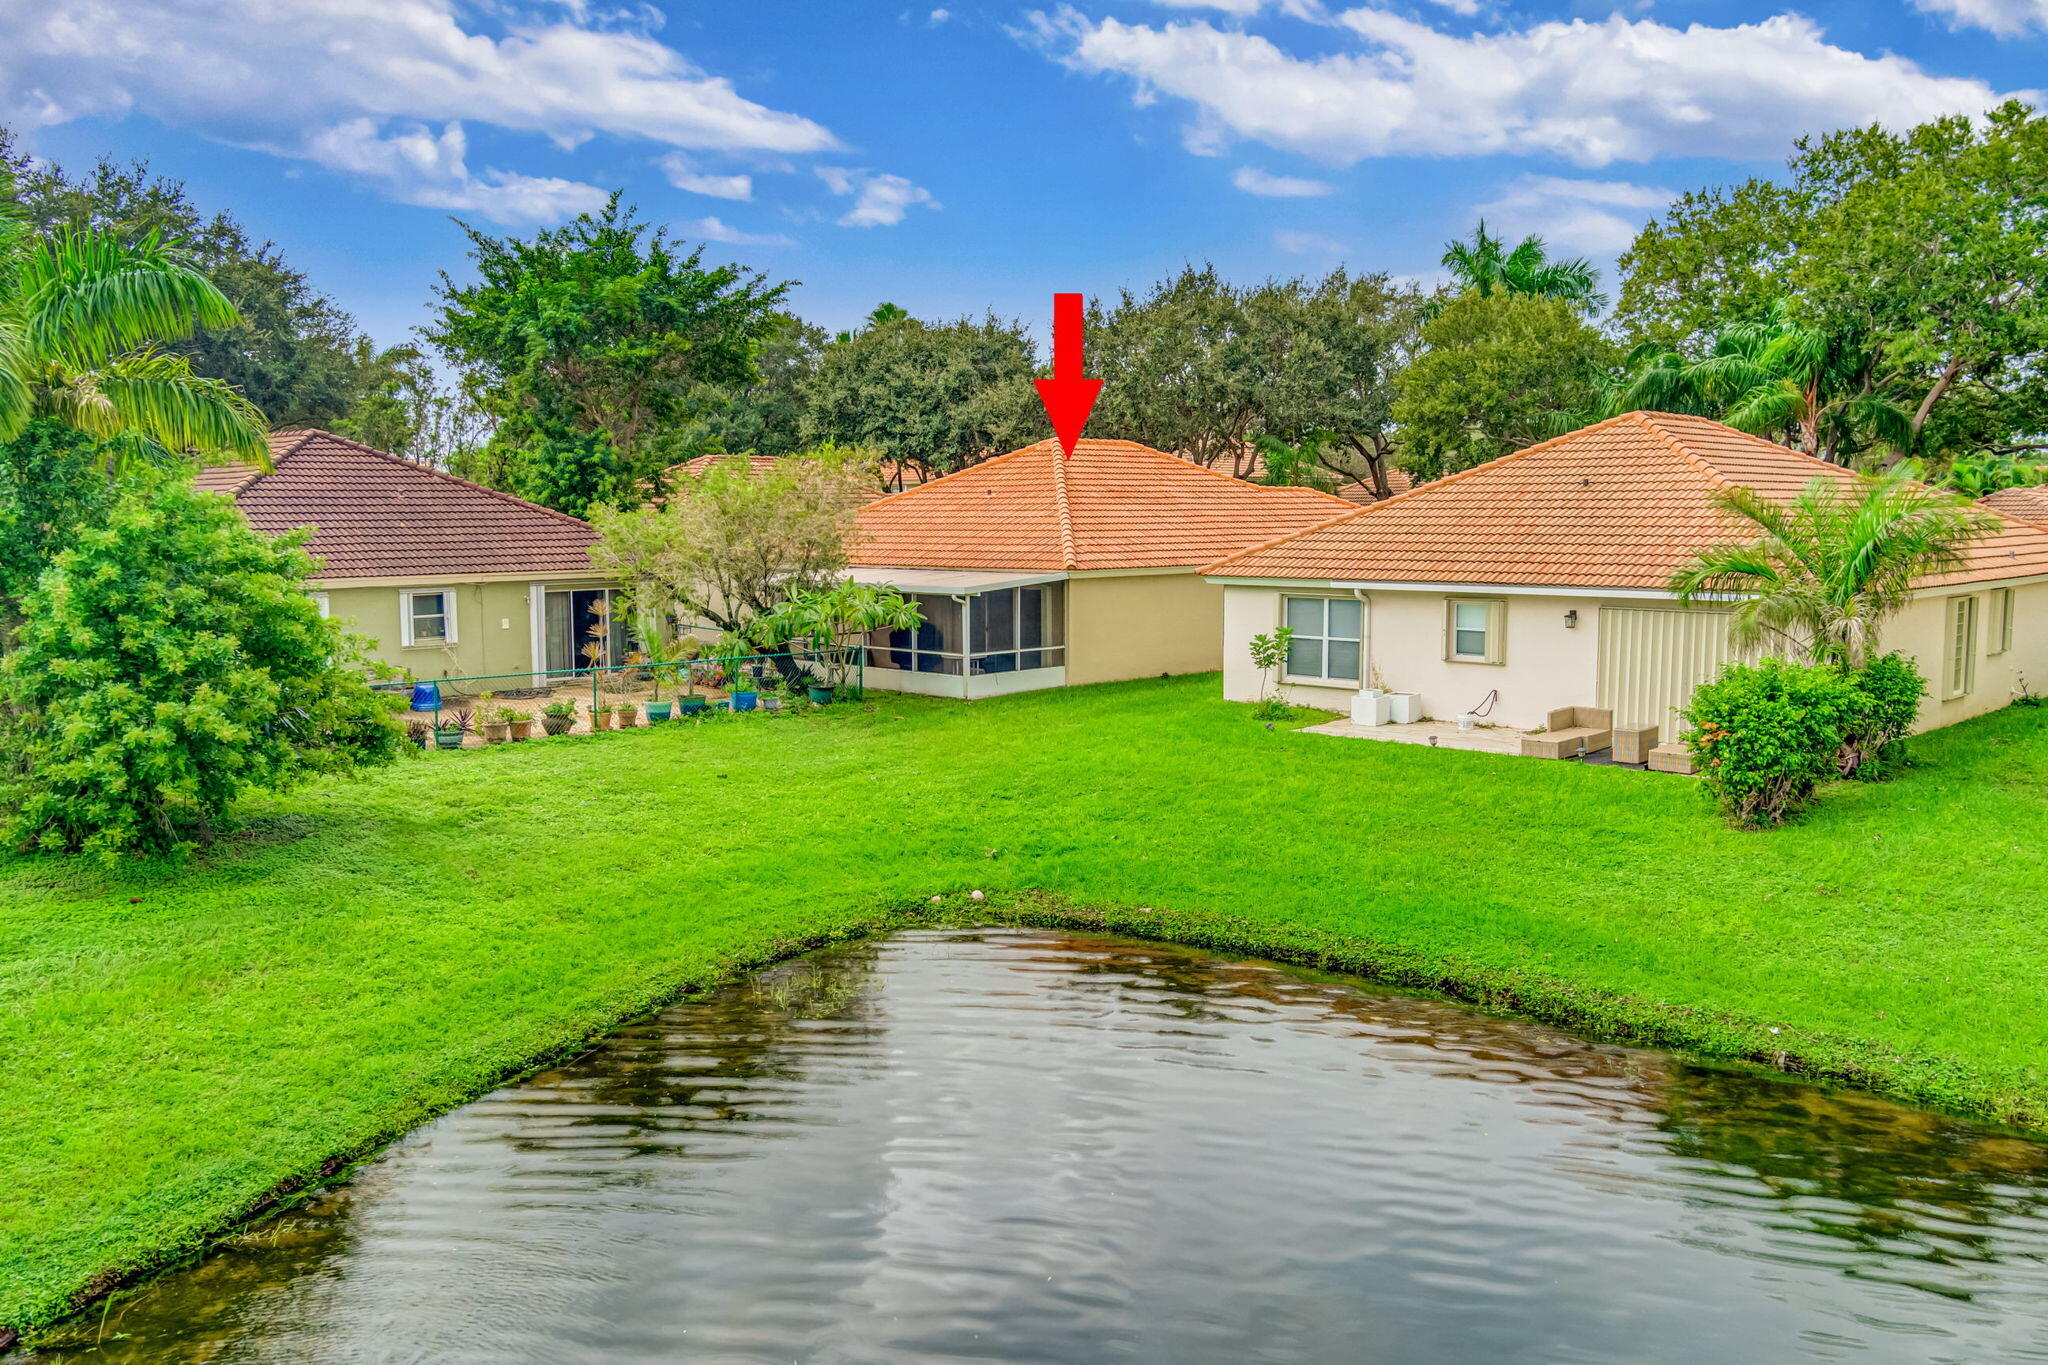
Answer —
(156, 397)
(86, 296)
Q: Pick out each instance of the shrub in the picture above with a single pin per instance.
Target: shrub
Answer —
(170, 660)
(1891, 688)
(1765, 735)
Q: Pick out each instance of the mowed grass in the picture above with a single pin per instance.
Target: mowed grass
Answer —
(363, 955)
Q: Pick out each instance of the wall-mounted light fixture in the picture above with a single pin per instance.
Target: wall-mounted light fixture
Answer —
(1571, 619)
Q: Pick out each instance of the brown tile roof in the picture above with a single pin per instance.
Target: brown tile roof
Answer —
(1621, 504)
(757, 465)
(377, 516)
(1115, 505)
(2028, 504)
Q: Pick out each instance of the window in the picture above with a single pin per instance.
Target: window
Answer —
(1475, 630)
(2001, 621)
(1327, 642)
(1960, 675)
(426, 617)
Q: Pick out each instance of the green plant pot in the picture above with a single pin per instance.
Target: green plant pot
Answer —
(658, 711)
(557, 725)
(694, 706)
(447, 739)
(821, 696)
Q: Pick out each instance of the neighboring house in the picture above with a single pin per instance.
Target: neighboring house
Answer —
(2028, 504)
(1033, 570)
(757, 465)
(449, 578)
(1538, 581)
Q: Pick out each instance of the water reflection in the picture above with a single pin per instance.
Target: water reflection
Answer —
(1029, 1146)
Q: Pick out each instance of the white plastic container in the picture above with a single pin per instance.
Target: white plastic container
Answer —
(1404, 708)
(1369, 707)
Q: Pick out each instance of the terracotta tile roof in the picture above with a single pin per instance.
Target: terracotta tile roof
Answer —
(1360, 490)
(1621, 504)
(757, 465)
(1115, 505)
(377, 516)
(2028, 504)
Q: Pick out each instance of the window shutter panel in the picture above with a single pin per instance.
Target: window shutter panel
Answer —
(1496, 632)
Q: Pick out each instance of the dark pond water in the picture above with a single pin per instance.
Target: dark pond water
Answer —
(1012, 1145)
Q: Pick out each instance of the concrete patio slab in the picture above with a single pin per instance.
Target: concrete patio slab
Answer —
(1438, 734)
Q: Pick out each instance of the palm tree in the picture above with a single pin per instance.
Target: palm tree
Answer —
(1485, 266)
(880, 314)
(82, 315)
(1828, 568)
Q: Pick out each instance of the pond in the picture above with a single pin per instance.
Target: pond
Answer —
(1012, 1145)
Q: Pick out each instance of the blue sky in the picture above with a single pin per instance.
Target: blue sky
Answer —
(980, 155)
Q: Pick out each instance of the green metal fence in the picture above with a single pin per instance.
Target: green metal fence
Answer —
(620, 695)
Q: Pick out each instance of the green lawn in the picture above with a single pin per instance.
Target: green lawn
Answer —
(366, 954)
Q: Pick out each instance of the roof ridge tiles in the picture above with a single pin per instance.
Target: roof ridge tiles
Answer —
(1063, 509)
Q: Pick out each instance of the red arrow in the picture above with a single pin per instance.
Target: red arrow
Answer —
(1068, 398)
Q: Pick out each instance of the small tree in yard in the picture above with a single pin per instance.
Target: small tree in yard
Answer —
(170, 660)
(836, 619)
(1765, 736)
(730, 546)
(1269, 654)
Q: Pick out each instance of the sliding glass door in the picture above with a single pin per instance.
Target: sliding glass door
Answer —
(582, 630)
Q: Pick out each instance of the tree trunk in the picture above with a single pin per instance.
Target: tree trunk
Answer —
(1941, 386)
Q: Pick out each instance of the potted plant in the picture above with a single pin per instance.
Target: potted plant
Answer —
(820, 694)
(559, 717)
(418, 732)
(771, 700)
(522, 723)
(744, 697)
(451, 727)
(625, 715)
(497, 723)
(600, 717)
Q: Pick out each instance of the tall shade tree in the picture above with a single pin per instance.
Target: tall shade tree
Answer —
(1181, 369)
(596, 346)
(1821, 574)
(82, 314)
(292, 351)
(1929, 247)
(1487, 265)
(935, 396)
(1492, 371)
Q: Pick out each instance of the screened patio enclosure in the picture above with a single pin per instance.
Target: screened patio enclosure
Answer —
(986, 632)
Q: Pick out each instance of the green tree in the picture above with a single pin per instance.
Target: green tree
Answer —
(765, 415)
(1492, 370)
(407, 410)
(1812, 389)
(1182, 369)
(601, 336)
(936, 396)
(1486, 265)
(1821, 574)
(291, 351)
(171, 659)
(1929, 248)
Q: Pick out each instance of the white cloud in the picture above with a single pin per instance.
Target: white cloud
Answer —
(1245, 9)
(1306, 243)
(352, 84)
(879, 200)
(684, 175)
(1254, 181)
(939, 16)
(2007, 18)
(416, 165)
(1596, 216)
(1468, 8)
(1591, 92)
(717, 230)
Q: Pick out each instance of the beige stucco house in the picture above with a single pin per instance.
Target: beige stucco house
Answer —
(446, 577)
(1538, 581)
(1034, 570)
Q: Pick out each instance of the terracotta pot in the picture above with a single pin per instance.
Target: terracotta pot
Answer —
(557, 725)
(521, 729)
(496, 731)
(626, 719)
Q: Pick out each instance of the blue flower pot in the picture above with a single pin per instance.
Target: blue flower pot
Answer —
(744, 701)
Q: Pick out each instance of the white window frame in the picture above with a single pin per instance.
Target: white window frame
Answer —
(405, 636)
(1959, 649)
(2004, 600)
(321, 604)
(1494, 651)
(1325, 678)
